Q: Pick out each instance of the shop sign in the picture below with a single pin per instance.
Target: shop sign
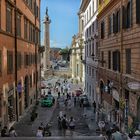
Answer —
(115, 94)
(10, 92)
(134, 85)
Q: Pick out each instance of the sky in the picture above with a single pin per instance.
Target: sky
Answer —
(64, 21)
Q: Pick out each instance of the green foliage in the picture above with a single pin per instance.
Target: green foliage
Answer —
(64, 51)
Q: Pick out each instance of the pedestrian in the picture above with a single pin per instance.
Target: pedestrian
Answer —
(59, 94)
(64, 124)
(42, 128)
(66, 103)
(94, 106)
(75, 100)
(12, 132)
(81, 102)
(39, 132)
(4, 132)
(130, 136)
(59, 122)
(116, 135)
(61, 89)
(71, 125)
(67, 96)
(69, 104)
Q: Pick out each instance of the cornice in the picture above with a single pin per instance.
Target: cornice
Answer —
(84, 5)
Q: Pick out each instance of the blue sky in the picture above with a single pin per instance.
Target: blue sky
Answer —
(63, 14)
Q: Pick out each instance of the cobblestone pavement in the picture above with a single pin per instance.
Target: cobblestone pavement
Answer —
(85, 126)
(26, 128)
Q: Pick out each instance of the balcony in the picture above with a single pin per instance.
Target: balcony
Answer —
(103, 5)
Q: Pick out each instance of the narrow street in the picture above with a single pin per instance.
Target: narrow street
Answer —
(85, 125)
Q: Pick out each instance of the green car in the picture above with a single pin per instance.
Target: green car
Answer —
(47, 101)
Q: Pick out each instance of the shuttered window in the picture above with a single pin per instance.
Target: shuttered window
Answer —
(127, 15)
(8, 18)
(19, 60)
(128, 21)
(9, 62)
(128, 61)
(116, 61)
(110, 24)
(114, 23)
(138, 11)
(109, 59)
(124, 17)
(30, 80)
(18, 24)
(118, 21)
(25, 28)
(102, 29)
(102, 59)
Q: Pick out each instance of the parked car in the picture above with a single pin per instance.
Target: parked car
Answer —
(47, 101)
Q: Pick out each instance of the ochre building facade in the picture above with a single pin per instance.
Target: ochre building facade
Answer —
(19, 58)
(119, 65)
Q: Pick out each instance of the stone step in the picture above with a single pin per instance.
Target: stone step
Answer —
(57, 138)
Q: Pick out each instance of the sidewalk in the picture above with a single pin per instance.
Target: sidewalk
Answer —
(90, 119)
(26, 128)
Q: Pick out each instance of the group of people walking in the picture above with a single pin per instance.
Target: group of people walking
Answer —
(8, 133)
(64, 123)
(43, 130)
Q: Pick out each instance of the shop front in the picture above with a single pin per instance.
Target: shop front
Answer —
(115, 111)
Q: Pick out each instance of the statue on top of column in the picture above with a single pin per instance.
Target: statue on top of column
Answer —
(47, 11)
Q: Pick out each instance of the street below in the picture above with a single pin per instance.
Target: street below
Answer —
(84, 116)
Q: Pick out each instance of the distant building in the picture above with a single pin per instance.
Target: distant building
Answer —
(76, 64)
(19, 58)
(54, 54)
(77, 52)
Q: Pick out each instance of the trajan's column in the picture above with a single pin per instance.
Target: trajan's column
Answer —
(46, 56)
